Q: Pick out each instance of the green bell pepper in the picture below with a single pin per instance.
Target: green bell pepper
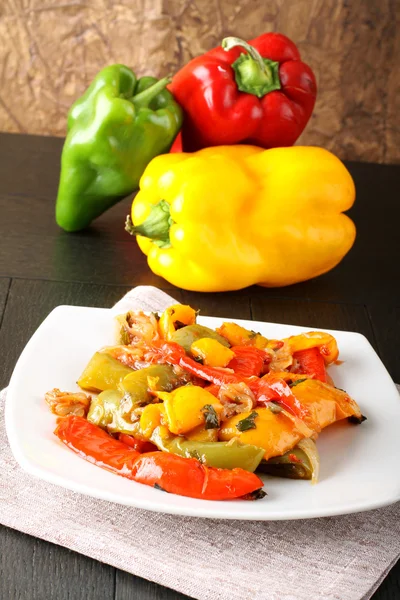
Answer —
(114, 130)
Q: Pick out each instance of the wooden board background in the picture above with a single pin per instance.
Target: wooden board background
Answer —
(51, 49)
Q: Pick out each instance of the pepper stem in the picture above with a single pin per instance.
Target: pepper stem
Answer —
(253, 73)
(156, 227)
(144, 98)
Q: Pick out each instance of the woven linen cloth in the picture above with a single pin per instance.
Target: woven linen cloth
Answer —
(341, 558)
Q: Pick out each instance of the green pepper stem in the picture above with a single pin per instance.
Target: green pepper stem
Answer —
(156, 227)
(144, 98)
(253, 73)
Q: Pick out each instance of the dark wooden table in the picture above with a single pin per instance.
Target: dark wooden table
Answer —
(41, 267)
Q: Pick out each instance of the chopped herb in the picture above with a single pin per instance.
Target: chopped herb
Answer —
(256, 495)
(253, 334)
(297, 381)
(210, 416)
(275, 408)
(248, 422)
(336, 388)
(356, 420)
(158, 487)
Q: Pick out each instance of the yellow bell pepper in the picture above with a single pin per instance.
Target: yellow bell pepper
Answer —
(187, 407)
(174, 316)
(212, 352)
(228, 217)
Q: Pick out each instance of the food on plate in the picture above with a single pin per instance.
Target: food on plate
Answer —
(114, 130)
(228, 217)
(258, 93)
(198, 414)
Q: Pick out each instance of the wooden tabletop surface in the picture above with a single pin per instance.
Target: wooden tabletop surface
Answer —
(42, 267)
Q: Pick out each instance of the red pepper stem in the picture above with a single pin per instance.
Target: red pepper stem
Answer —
(144, 98)
(232, 42)
(254, 74)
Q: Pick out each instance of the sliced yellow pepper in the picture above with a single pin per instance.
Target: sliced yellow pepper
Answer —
(201, 434)
(312, 339)
(275, 432)
(212, 353)
(281, 209)
(151, 418)
(187, 408)
(178, 314)
(325, 403)
(239, 336)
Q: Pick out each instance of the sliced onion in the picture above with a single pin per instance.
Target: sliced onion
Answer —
(310, 449)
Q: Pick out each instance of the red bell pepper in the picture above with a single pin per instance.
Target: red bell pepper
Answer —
(257, 93)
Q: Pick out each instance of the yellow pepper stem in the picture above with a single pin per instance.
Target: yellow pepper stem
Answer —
(155, 227)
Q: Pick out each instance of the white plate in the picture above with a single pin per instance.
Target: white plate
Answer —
(359, 464)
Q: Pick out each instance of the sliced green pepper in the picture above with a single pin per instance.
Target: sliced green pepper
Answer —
(185, 336)
(224, 455)
(294, 464)
(103, 372)
(112, 409)
(136, 384)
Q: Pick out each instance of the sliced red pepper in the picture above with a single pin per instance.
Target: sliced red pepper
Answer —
(189, 477)
(138, 445)
(270, 389)
(311, 362)
(248, 361)
(169, 472)
(211, 374)
(213, 389)
(165, 352)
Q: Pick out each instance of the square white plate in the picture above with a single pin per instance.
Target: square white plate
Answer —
(359, 464)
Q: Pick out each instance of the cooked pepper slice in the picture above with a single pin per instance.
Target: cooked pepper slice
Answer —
(223, 455)
(301, 462)
(183, 476)
(248, 361)
(175, 317)
(187, 335)
(311, 363)
(276, 433)
(103, 372)
(136, 444)
(186, 408)
(211, 352)
(211, 374)
(315, 339)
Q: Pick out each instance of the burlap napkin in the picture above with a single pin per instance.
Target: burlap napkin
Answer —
(342, 558)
